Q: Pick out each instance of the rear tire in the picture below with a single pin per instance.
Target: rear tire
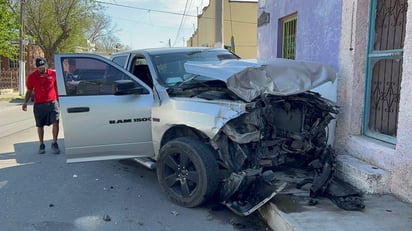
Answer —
(187, 171)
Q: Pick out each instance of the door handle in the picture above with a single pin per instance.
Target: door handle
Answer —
(78, 109)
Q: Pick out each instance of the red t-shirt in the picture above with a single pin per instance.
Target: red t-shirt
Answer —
(44, 86)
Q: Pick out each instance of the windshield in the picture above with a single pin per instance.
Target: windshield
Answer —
(170, 66)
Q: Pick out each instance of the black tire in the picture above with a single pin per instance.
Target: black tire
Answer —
(187, 171)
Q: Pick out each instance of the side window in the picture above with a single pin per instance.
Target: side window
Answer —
(120, 60)
(89, 76)
(140, 69)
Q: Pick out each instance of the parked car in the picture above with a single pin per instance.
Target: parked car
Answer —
(211, 124)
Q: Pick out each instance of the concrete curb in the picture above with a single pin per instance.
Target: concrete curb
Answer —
(382, 213)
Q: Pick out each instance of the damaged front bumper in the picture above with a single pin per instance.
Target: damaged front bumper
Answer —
(280, 133)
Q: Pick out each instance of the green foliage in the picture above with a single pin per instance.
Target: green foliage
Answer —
(9, 31)
(59, 25)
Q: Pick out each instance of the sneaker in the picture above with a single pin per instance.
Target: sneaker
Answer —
(55, 148)
(42, 149)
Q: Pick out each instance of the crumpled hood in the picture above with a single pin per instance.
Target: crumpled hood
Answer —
(249, 78)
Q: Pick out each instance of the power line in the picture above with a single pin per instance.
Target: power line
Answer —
(169, 12)
(187, 6)
(146, 9)
(184, 15)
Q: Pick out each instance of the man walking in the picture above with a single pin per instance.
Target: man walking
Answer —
(42, 82)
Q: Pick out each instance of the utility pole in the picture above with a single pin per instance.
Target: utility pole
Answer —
(22, 69)
(219, 24)
(197, 30)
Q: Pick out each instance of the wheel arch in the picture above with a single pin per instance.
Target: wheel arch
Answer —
(182, 131)
(190, 132)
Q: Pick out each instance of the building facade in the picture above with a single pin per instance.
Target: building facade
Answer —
(370, 44)
(238, 30)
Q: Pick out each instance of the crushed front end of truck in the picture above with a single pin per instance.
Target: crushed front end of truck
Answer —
(284, 130)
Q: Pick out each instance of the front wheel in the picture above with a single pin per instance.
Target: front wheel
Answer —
(187, 171)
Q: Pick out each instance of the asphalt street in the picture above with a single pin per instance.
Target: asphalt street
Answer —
(44, 193)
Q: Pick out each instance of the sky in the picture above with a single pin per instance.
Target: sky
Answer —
(152, 23)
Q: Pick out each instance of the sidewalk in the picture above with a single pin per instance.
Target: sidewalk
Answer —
(289, 211)
(10, 96)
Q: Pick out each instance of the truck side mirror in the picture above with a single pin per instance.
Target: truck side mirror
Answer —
(128, 87)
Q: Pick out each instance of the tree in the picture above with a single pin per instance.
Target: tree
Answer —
(59, 25)
(100, 27)
(108, 44)
(9, 30)
(102, 34)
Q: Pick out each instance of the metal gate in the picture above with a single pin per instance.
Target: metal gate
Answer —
(384, 74)
(9, 79)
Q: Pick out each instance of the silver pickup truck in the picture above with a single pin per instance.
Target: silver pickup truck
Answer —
(214, 126)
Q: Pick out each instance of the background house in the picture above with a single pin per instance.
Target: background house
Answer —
(369, 43)
(238, 27)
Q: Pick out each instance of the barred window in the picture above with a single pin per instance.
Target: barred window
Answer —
(288, 36)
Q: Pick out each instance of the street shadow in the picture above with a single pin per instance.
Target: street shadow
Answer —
(27, 152)
(16, 100)
(94, 187)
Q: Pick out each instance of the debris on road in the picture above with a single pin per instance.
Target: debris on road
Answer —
(106, 217)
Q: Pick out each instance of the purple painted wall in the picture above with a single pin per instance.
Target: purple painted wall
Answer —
(318, 29)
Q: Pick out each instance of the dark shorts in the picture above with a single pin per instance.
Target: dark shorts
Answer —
(46, 114)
